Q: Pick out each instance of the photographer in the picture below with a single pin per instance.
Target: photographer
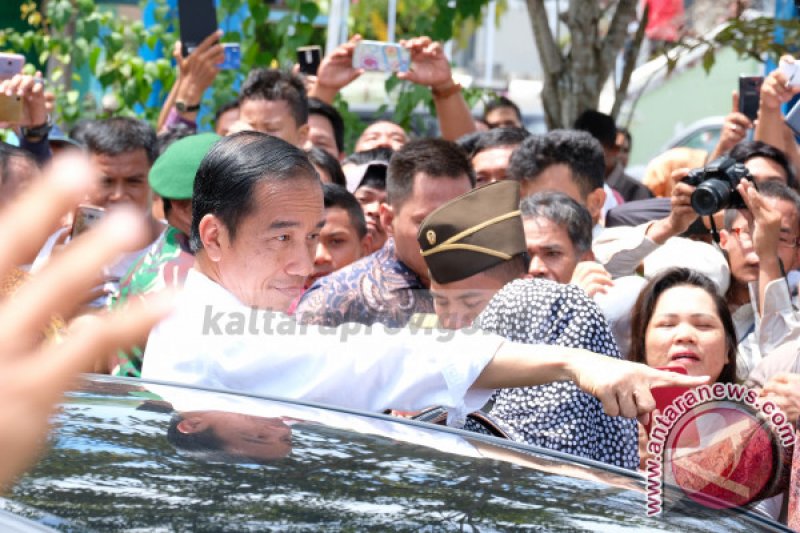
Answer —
(760, 244)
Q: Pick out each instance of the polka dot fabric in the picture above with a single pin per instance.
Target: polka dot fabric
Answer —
(558, 416)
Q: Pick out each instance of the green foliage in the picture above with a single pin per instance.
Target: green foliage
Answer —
(80, 40)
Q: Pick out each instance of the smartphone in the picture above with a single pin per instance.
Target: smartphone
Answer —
(750, 95)
(381, 56)
(793, 118)
(86, 217)
(233, 56)
(664, 396)
(11, 65)
(197, 20)
(10, 108)
(309, 58)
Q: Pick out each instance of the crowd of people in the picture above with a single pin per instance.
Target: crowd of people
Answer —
(488, 269)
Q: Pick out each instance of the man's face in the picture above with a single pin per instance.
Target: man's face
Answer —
(320, 134)
(428, 194)
(225, 121)
(123, 180)
(491, 165)
(558, 178)
(247, 436)
(738, 243)
(623, 149)
(764, 169)
(339, 244)
(267, 262)
(273, 117)
(459, 303)
(371, 200)
(382, 134)
(553, 256)
(503, 117)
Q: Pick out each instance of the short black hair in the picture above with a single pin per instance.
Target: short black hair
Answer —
(323, 159)
(497, 137)
(436, 158)
(338, 196)
(564, 212)
(276, 85)
(747, 150)
(231, 170)
(500, 102)
(578, 150)
(468, 141)
(120, 135)
(601, 126)
(318, 107)
(368, 156)
(224, 108)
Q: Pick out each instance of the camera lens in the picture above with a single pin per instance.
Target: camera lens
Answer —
(711, 196)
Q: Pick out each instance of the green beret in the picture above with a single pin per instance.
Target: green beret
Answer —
(172, 175)
(474, 232)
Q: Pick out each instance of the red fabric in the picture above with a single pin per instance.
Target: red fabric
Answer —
(665, 19)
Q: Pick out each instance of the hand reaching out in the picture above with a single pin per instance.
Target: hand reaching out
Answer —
(34, 374)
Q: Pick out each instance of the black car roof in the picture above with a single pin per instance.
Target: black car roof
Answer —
(112, 466)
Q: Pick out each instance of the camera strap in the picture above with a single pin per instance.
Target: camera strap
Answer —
(714, 232)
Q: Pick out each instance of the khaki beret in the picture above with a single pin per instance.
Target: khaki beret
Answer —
(474, 232)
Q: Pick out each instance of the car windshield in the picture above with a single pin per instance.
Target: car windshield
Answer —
(128, 455)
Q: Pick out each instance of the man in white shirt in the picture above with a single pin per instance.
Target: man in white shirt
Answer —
(257, 213)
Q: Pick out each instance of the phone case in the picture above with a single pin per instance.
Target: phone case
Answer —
(233, 56)
(793, 118)
(86, 217)
(10, 108)
(750, 95)
(385, 57)
(309, 59)
(197, 20)
(11, 65)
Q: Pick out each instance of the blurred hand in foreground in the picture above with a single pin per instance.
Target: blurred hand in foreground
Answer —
(34, 374)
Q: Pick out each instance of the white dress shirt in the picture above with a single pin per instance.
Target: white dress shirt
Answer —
(213, 340)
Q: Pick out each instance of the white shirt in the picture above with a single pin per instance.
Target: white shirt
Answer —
(213, 340)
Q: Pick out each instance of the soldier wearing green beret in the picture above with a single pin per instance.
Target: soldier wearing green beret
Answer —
(168, 260)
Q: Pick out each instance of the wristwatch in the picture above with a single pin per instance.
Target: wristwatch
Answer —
(37, 132)
(183, 108)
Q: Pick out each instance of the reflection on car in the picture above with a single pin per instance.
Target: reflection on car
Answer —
(136, 455)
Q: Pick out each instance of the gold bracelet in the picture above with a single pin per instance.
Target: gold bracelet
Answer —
(446, 93)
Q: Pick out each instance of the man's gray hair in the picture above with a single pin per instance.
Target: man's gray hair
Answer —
(563, 211)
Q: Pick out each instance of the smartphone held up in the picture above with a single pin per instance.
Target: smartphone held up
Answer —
(381, 56)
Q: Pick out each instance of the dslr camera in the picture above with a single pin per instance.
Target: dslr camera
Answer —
(716, 186)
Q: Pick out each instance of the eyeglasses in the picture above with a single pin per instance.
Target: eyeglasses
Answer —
(746, 238)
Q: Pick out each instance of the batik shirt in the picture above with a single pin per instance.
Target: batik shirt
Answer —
(165, 264)
(558, 416)
(378, 288)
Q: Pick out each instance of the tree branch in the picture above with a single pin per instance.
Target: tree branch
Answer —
(549, 52)
(629, 61)
(615, 38)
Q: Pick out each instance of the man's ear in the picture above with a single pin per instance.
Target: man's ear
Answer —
(724, 237)
(588, 255)
(594, 203)
(302, 135)
(192, 424)
(387, 217)
(213, 235)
